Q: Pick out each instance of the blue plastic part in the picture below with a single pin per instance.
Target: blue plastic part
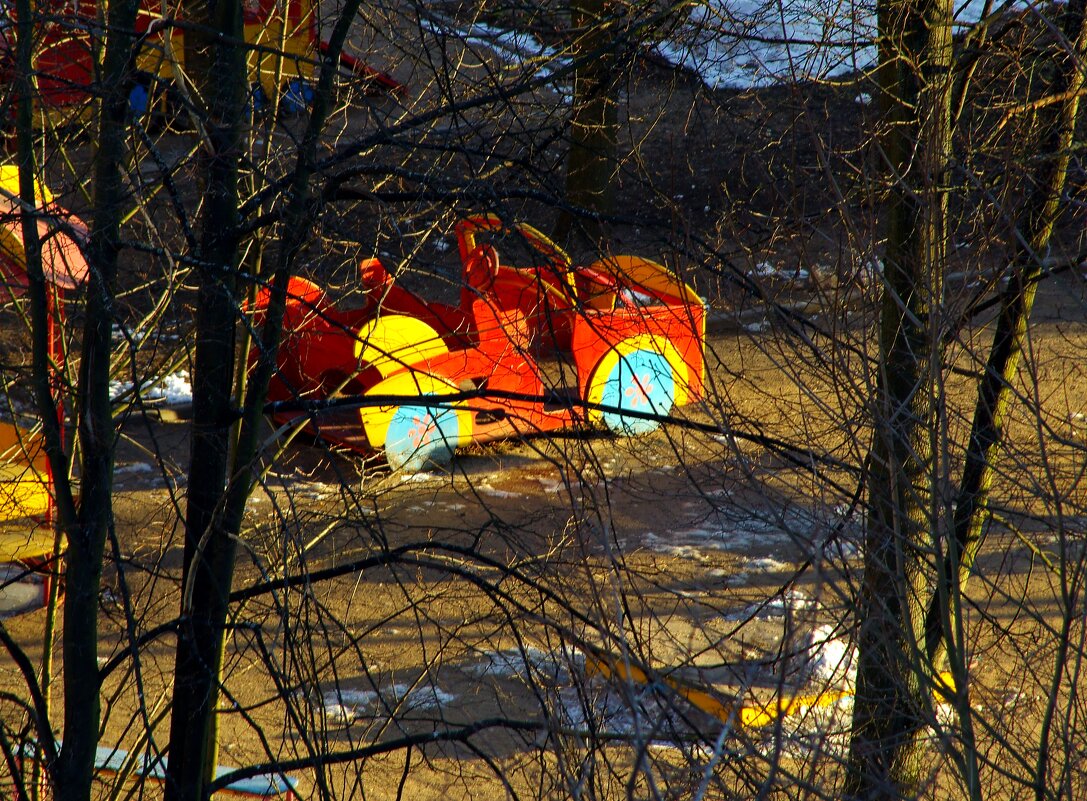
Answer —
(153, 768)
(421, 435)
(138, 100)
(641, 381)
(297, 96)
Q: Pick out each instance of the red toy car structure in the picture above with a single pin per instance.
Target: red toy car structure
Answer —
(532, 348)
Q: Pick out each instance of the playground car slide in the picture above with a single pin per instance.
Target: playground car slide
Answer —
(537, 345)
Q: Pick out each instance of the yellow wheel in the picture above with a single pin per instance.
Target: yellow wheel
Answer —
(395, 341)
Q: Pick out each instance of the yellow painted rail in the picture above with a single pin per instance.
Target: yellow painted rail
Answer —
(751, 715)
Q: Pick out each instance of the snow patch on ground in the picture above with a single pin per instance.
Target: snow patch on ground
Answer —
(487, 489)
(418, 478)
(529, 662)
(519, 50)
(766, 565)
(831, 658)
(344, 705)
(742, 44)
(174, 389)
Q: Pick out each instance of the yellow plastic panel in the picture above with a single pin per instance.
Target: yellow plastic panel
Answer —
(649, 274)
(395, 341)
(24, 489)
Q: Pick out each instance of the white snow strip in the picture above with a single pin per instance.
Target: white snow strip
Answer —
(766, 565)
(418, 478)
(174, 389)
(831, 659)
(532, 661)
(742, 44)
(486, 489)
(346, 705)
(518, 49)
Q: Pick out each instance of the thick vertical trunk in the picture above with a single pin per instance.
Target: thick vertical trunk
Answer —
(886, 752)
(217, 63)
(88, 526)
(945, 637)
(224, 451)
(591, 163)
(995, 388)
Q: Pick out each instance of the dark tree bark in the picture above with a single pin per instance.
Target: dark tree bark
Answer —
(591, 163)
(216, 60)
(886, 758)
(87, 524)
(223, 464)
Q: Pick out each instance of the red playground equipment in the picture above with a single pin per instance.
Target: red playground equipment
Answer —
(282, 38)
(537, 347)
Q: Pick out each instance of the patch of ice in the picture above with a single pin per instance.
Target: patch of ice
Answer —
(135, 467)
(552, 485)
(659, 545)
(487, 489)
(787, 604)
(347, 705)
(766, 565)
(418, 478)
(726, 540)
(529, 662)
(518, 49)
(863, 99)
(742, 44)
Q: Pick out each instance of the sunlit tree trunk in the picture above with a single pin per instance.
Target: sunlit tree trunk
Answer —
(886, 757)
(945, 635)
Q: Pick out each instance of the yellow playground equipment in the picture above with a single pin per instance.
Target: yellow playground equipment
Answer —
(27, 539)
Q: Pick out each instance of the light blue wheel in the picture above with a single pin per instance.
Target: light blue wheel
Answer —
(421, 435)
(640, 381)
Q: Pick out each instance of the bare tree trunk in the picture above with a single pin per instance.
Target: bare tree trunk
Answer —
(945, 637)
(217, 63)
(87, 525)
(886, 749)
(591, 163)
(217, 497)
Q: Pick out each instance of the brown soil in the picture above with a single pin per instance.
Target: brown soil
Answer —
(707, 556)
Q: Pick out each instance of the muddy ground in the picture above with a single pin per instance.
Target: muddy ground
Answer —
(723, 556)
